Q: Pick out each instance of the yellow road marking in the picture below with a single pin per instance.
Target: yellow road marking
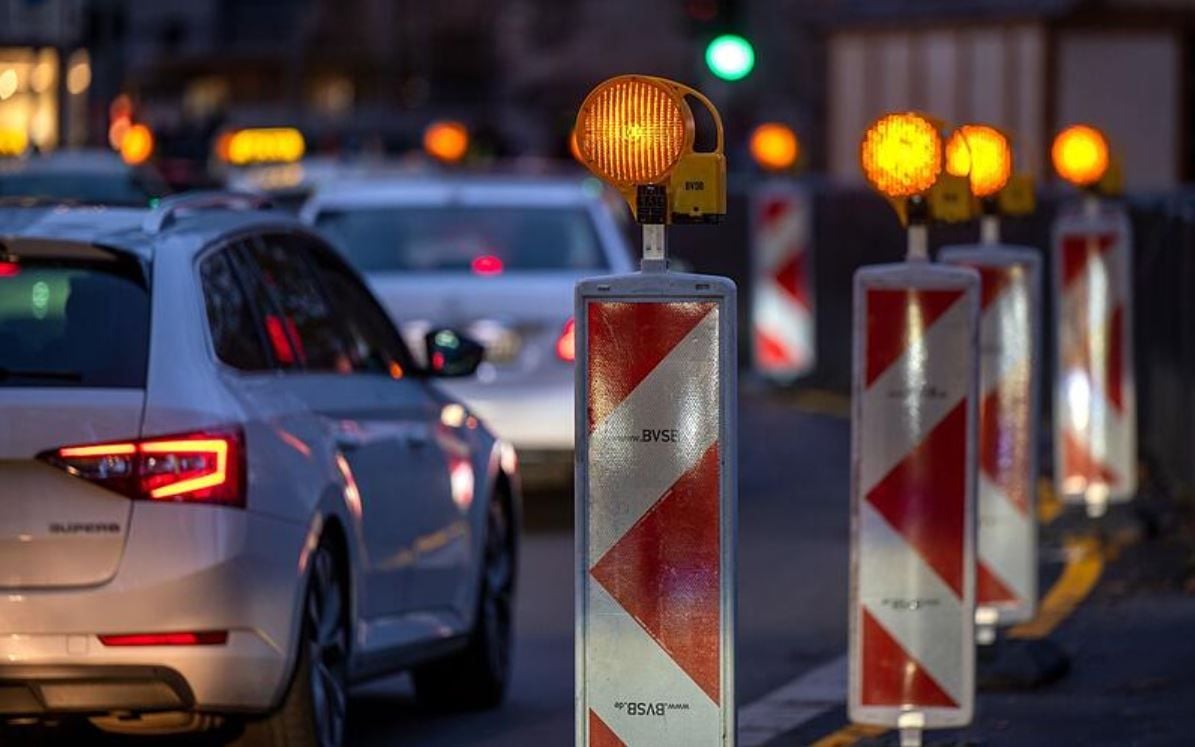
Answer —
(823, 402)
(1048, 505)
(1084, 565)
(850, 734)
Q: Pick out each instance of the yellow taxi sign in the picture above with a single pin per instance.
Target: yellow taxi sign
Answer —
(13, 141)
(1080, 155)
(261, 145)
(137, 145)
(901, 154)
(447, 141)
(774, 146)
(637, 131)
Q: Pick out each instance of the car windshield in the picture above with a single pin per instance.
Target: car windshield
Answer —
(73, 323)
(482, 240)
(124, 189)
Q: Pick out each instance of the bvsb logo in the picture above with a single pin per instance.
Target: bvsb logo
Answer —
(660, 435)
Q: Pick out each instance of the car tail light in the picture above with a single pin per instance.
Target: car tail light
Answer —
(566, 346)
(9, 269)
(202, 467)
(210, 638)
(487, 264)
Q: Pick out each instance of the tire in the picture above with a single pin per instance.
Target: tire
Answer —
(313, 711)
(478, 676)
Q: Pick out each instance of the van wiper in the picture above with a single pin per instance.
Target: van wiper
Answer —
(29, 373)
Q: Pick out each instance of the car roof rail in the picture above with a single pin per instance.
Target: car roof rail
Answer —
(166, 211)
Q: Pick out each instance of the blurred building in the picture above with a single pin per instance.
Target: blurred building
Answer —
(1030, 66)
(45, 74)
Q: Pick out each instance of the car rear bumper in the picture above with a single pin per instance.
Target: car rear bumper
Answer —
(85, 690)
(184, 569)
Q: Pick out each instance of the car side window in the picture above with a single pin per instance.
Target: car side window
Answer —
(235, 334)
(376, 344)
(308, 321)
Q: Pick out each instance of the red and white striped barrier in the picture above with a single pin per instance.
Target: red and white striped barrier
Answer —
(655, 490)
(1095, 411)
(912, 646)
(1009, 345)
(783, 325)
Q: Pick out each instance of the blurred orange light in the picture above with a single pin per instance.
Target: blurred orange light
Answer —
(447, 141)
(774, 146)
(901, 154)
(117, 130)
(958, 155)
(632, 130)
(13, 141)
(1080, 155)
(987, 154)
(137, 145)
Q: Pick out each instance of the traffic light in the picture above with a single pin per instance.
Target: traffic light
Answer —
(730, 57)
(716, 27)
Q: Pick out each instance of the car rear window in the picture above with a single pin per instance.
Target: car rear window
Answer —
(481, 240)
(72, 323)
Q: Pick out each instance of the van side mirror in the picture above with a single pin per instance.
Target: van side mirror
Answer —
(451, 354)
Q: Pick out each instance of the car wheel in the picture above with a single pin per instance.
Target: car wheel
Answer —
(313, 712)
(477, 677)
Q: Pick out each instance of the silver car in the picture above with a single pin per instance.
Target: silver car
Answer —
(227, 492)
(498, 259)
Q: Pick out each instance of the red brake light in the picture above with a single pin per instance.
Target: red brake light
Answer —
(214, 638)
(566, 346)
(487, 264)
(204, 467)
(9, 269)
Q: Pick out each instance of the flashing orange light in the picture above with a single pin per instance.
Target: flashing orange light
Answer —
(633, 130)
(958, 155)
(901, 154)
(984, 156)
(1080, 155)
(137, 145)
(447, 141)
(774, 146)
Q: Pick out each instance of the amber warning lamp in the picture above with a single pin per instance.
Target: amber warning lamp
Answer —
(636, 133)
(902, 157)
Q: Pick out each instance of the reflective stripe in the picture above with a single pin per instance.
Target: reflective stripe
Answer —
(782, 307)
(913, 494)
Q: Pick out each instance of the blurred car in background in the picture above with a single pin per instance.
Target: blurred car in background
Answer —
(494, 257)
(91, 177)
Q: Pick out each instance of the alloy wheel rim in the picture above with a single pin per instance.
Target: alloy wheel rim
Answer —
(498, 593)
(327, 650)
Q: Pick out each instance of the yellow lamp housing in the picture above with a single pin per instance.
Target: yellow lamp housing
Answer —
(982, 154)
(636, 131)
(1018, 196)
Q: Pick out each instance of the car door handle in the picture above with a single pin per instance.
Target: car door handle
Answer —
(348, 444)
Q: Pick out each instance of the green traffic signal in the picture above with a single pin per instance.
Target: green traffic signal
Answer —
(730, 57)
